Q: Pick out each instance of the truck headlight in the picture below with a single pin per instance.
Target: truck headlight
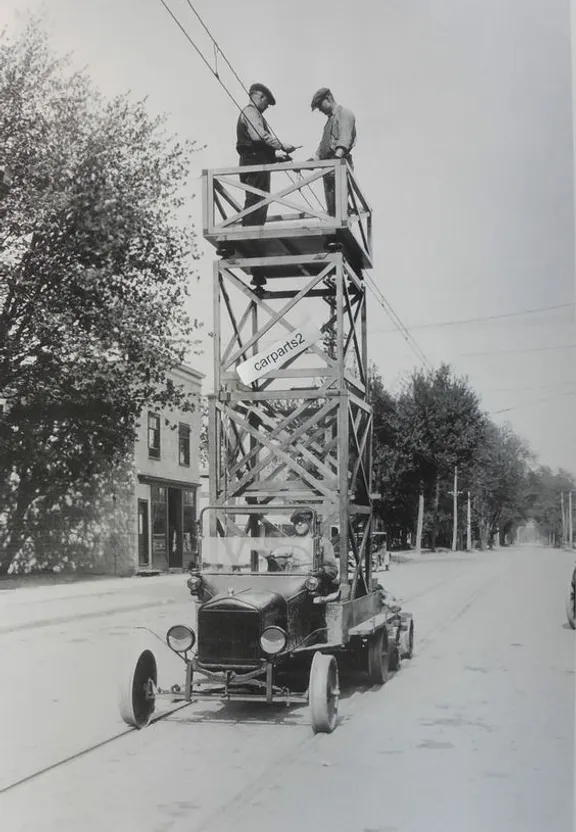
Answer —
(180, 639)
(273, 640)
(312, 583)
(194, 584)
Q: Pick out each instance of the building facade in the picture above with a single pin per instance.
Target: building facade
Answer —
(167, 482)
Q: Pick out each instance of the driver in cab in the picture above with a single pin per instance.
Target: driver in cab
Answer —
(298, 554)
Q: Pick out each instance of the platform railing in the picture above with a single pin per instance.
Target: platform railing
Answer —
(296, 205)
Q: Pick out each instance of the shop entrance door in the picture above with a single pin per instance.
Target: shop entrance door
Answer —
(175, 558)
(143, 534)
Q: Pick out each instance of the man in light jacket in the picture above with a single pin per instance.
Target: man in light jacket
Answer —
(338, 138)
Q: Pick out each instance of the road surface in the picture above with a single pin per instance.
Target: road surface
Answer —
(475, 734)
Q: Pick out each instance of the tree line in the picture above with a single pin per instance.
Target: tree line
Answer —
(434, 426)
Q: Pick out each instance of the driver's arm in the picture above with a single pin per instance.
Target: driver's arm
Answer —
(329, 564)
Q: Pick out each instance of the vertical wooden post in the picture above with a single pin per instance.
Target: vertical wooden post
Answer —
(420, 520)
(341, 195)
(217, 342)
(469, 524)
(570, 521)
(455, 510)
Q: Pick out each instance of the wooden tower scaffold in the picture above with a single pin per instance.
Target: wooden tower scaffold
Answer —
(289, 419)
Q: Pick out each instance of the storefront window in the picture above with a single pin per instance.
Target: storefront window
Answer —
(189, 541)
(159, 522)
(153, 435)
(184, 444)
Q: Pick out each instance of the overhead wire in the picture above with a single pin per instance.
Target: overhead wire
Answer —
(214, 71)
(386, 305)
(395, 318)
(535, 401)
(499, 316)
(528, 349)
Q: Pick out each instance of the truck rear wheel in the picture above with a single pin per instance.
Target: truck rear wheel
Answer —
(571, 608)
(378, 658)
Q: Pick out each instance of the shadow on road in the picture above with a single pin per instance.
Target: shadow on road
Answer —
(261, 713)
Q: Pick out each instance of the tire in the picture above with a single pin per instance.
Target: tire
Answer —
(394, 658)
(136, 706)
(323, 693)
(410, 651)
(378, 658)
(570, 608)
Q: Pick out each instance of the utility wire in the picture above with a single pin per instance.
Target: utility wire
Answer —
(533, 387)
(536, 401)
(529, 349)
(215, 73)
(394, 317)
(218, 48)
(482, 319)
(386, 305)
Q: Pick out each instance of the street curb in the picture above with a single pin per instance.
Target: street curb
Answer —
(64, 619)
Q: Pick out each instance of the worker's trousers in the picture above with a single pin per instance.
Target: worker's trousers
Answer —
(330, 188)
(256, 179)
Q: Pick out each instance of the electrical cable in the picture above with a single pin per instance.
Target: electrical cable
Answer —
(394, 317)
(535, 401)
(376, 292)
(529, 349)
(214, 71)
(482, 319)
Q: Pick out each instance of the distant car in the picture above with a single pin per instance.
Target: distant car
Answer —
(571, 601)
(271, 636)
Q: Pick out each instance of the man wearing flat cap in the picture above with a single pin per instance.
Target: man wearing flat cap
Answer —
(338, 138)
(256, 145)
(297, 553)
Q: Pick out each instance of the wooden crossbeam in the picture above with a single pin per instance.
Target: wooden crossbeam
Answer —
(279, 197)
(234, 339)
(275, 451)
(281, 426)
(263, 463)
(276, 317)
(360, 445)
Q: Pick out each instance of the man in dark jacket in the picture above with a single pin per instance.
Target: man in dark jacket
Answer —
(338, 138)
(256, 145)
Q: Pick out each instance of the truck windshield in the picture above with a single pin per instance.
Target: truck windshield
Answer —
(257, 554)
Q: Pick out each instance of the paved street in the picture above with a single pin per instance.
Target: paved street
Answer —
(476, 733)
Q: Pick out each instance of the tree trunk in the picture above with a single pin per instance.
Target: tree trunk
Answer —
(420, 521)
(16, 527)
(435, 510)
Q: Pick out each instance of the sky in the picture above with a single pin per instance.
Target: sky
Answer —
(465, 152)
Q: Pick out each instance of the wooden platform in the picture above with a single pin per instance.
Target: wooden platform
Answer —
(298, 221)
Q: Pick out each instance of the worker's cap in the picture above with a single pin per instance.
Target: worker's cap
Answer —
(304, 515)
(319, 96)
(265, 90)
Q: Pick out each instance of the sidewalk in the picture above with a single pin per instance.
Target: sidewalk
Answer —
(37, 606)
(40, 605)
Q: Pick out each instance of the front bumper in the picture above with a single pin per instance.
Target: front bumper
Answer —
(241, 685)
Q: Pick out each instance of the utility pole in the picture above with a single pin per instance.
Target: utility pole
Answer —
(563, 512)
(455, 493)
(570, 522)
(469, 525)
(420, 521)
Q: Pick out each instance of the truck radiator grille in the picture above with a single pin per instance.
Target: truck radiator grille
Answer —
(228, 637)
